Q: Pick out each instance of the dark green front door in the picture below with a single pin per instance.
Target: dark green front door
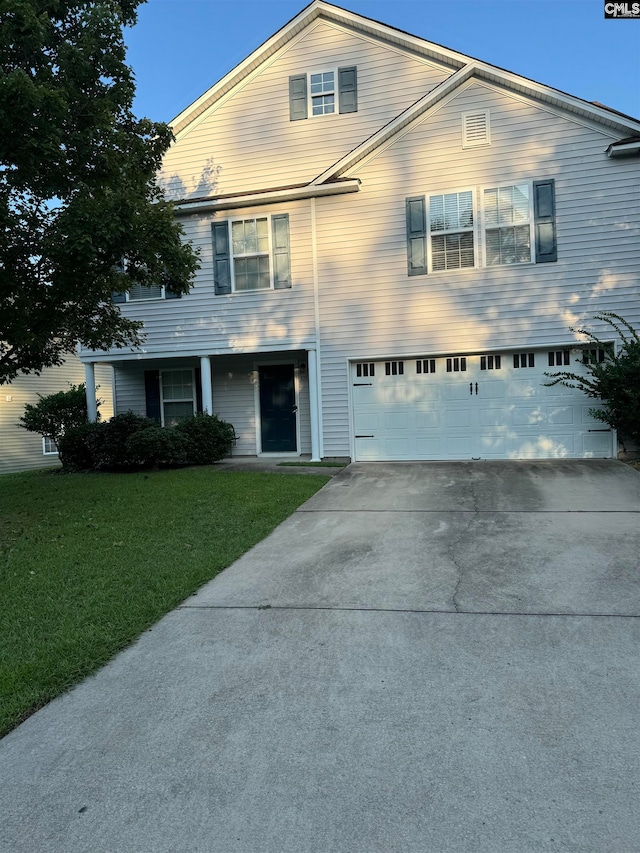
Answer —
(277, 408)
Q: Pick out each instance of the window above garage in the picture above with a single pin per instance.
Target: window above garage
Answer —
(500, 225)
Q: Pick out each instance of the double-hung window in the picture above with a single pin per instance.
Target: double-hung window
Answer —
(49, 447)
(251, 254)
(507, 225)
(323, 93)
(451, 231)
(250, 250)
(516, 224)
(177, 388)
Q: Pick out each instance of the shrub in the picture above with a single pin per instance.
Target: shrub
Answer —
(209, 439)
(615, 381)
(55, 415)
(108, 443)
(73, 447)
(155, 446)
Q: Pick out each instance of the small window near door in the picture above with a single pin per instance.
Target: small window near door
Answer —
(178, 396)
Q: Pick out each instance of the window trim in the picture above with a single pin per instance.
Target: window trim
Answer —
(279, 236)
(429, 233)
(419, 208)
(46, 452)
(269, 253)
(336, 107)
(532, 224)
(161, 388)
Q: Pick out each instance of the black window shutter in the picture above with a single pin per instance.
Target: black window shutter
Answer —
(198, 378)
(281, 262)
(152, 394)
(348, 89)
(544, 209)
(221, 258)
(298, 97)
(416, 236)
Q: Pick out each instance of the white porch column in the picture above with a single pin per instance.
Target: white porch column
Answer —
(205, 379)
(314, 409)
(90, 390)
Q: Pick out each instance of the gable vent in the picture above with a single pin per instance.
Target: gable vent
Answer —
(476, 129)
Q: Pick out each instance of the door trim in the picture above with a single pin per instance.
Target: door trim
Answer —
(294, 362)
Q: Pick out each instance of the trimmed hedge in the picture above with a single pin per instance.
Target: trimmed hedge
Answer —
(130, 442)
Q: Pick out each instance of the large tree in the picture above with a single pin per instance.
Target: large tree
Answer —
(78, 192)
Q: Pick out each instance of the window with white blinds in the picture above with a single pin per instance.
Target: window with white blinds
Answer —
(507, 222)
(451, 231)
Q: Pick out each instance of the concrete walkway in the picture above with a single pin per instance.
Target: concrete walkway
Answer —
(426, 657)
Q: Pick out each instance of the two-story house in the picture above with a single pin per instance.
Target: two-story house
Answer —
(395, 241)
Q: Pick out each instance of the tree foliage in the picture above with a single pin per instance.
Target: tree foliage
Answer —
(78, 190)
(615, 381)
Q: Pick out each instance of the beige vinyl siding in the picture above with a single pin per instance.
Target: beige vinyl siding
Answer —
(202, 323)
(21, 450)
(372, 308)
(246, 142)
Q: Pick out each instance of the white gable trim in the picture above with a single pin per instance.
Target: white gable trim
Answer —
(405, 42)
(332, 14)
(448, 89)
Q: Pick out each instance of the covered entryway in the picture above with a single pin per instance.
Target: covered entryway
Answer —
(475, 406)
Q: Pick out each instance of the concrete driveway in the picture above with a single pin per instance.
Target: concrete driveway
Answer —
(424, 657)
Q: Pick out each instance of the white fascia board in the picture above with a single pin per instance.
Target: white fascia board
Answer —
(268, 197)
(481, 71)
(623, 149)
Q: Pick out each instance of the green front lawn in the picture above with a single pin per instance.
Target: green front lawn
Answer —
(89, 561)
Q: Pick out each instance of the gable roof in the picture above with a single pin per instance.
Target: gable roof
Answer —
(443, 56)
(462, 69)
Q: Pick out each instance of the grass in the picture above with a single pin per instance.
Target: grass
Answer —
(89, 561)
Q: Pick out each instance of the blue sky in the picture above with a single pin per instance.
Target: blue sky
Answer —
(179, 48)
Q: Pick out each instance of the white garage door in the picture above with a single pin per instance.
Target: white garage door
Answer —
(492, 406)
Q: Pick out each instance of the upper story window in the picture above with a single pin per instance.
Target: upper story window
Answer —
(515, 225)
(251, 254)
(507, 221)
(250, 249)
(142, 293)
(323, 92)
(451, 231)
(323, 95)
